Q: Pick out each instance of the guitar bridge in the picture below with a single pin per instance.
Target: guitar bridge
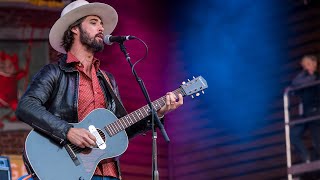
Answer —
(72, 154)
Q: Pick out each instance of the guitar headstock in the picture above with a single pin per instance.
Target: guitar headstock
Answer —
(194, 86)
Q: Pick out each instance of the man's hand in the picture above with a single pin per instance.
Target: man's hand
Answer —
(81, 137)
(172, 102)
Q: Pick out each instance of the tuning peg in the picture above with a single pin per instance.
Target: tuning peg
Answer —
(202, 92)
(192, 96)
(198, 94)
(183, 82)
(189, 80)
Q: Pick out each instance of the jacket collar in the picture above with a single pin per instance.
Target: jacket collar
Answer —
(67, 67)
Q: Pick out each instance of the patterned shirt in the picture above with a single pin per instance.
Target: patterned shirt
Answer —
(92, 97)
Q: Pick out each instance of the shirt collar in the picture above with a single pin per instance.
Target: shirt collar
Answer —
(72, 59)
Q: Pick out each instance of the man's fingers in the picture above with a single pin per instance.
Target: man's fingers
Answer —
(172, 102)
(180, 102)
(90, 139)
(79, 143)
(168, 100)
(86, 144)
(173, 98)
(81, 137)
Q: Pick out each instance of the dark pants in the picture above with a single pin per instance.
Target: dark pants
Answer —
(296, 135)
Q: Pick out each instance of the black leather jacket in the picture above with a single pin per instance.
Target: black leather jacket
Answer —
(50, 102)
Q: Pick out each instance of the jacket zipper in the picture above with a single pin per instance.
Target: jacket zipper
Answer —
(77, 96)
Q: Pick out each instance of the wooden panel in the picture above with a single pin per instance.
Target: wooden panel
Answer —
(201, 151)
(230, 150)
(236, 170)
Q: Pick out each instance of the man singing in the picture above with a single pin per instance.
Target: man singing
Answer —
(67, 91)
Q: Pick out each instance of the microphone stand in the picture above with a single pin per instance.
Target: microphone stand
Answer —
(155, 118)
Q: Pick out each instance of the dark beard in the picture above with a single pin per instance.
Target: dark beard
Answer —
(91, 44)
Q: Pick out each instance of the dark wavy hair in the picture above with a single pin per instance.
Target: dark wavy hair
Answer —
(68, 38)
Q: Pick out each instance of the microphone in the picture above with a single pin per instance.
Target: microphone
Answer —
(109, 39)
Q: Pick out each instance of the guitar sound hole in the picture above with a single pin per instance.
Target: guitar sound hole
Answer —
(103, 136)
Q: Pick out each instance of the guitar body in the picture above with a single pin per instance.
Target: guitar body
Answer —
(51, 161)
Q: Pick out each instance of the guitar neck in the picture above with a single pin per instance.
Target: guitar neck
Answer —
(135, 116)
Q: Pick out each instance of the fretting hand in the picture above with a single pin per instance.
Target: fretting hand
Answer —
(172, 103)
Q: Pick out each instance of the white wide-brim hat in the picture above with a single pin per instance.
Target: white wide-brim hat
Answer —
(79, 9)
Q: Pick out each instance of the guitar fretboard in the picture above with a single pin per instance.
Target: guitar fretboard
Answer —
(135, 116)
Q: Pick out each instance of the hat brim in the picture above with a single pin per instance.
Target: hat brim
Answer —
(108, 16)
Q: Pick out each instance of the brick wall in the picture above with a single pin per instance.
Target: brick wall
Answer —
(12, 142)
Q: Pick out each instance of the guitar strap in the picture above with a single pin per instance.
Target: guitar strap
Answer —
(119, 106)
